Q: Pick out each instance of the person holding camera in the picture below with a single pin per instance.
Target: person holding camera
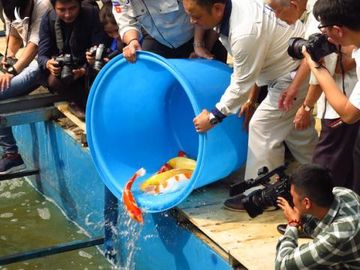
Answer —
(160, 27)
(258, 45)
(328, 215)
(66, 32)
(99, 55)
(336, 138)
(340, 22)
(19, 76)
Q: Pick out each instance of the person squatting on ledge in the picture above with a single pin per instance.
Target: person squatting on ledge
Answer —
(19, 76)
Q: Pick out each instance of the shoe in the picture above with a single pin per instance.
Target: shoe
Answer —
(281, 228)
(235, 203)
(77, 111)
(11, 162)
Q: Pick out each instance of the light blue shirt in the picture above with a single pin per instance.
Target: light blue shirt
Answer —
(166, 21)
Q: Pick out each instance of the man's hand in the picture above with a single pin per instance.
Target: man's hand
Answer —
(302, 119)
(247, 110)
(202, 122)
(201, 52)
(287, 98)
(53, 67)
(78, 73)
(5, 80)
(90, 58)
(290, 213)
(129, 51)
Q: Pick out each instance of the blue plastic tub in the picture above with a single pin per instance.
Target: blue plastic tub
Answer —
(140, 115)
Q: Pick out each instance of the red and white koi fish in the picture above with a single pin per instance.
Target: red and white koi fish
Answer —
(129, 201)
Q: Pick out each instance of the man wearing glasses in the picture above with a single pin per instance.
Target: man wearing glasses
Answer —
(340, 21)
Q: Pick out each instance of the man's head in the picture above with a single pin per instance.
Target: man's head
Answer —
(339, 19)
(311, 188)
(288, 10)
(205, 13)
(67, 10)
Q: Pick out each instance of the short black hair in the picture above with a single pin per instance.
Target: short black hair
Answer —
(315, 182)
(53, 2)
(338, 12)
(10, 5)
(208, 3)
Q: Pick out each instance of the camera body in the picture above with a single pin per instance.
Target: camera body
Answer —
(67, 63)
(100, 53)
(10, 61)
(317, 46)
(258, 200)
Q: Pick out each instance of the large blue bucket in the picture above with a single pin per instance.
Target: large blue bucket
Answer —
(141, 115)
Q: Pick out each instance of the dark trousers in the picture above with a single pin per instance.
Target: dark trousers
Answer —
(152, 45)
(335, 151)
(356, 184)
(72, 90)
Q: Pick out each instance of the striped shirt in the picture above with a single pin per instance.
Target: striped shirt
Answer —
(336, 238)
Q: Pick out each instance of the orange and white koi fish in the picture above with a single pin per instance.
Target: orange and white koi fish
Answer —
(128, 198)
(168, 181)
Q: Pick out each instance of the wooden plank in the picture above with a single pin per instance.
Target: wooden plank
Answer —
(251, 242)
(64, 108)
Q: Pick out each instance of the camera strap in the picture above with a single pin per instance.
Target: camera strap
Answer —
(342, 79)
(58, 35)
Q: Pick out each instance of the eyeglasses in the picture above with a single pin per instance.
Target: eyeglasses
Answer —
(322, 26)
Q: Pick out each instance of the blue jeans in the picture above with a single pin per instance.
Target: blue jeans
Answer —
(21, 84)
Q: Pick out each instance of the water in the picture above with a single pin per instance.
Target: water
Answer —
(29, 221)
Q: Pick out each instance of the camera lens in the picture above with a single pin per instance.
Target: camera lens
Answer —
(295, 47)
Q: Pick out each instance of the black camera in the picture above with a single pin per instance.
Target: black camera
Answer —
(317, 46)
(258, 200)
(100, 53)
(67, 63)
(10, 61)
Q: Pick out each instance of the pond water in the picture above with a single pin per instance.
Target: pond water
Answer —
(30, 221)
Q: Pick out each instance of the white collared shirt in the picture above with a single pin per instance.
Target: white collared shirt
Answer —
(258, 42)
(355, 95)
(21, 29)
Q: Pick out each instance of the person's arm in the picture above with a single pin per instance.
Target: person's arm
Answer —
(129, 30)
(302, 118)
(289, 95)
(341, 104)
(204, 40)
(249, 107)
(247, 65)
(26, 57)
(45, 43)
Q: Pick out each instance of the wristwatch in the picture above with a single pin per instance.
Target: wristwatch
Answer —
(307, 108)
(11, 70)
(213, 119)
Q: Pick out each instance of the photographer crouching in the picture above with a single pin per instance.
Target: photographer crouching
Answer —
(65, 35)
(329, 215)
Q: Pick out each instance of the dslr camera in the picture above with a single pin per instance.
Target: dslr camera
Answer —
(317, 46)
(67, 63)
(100, 53)
(257, 201)
(10, 61)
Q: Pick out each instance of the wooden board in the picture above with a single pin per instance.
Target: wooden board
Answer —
(251, 242)
(64, 108)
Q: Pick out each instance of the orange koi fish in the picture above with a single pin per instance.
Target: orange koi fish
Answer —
(129, 201)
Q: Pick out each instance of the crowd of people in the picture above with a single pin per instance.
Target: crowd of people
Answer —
(60, 38)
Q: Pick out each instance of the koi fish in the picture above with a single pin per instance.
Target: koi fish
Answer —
(182, 163)
(129, 201)
(167, 181)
